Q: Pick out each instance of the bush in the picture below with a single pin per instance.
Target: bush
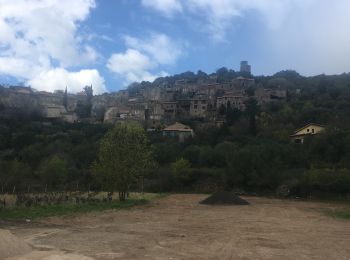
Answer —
(328, 180)
(182, 171)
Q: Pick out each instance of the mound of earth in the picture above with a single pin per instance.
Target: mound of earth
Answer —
(10, 245)
(224, 198)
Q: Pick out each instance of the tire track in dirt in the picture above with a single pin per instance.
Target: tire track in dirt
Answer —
(177, 227)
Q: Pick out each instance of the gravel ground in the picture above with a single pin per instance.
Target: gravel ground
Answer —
(178, 227)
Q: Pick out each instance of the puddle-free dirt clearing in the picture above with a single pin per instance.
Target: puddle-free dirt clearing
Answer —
(178, 227)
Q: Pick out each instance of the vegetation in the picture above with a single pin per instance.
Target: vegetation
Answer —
(123, 156)
(76, 203)
(65, 209)
(251, 152)
(38, 155)
(342, 214)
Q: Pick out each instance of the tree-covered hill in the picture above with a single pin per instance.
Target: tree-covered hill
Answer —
(251, 151)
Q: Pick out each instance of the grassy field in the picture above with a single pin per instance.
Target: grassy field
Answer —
(17, 213)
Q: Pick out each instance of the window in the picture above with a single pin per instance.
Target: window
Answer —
(308, 130)
(313, 130)
(195, 106)
(203, 107)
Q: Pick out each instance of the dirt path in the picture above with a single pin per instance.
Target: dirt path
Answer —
(177, 227)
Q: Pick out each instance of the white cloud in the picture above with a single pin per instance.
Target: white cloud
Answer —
(311, 36)
(132, 64)
(159, 46)
(23, 68)
(58, 79)
(143, 56)
(217, 17)
(42, 36)
(34, 28)
(165, 7)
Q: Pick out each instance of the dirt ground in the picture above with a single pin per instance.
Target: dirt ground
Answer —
(177, 227)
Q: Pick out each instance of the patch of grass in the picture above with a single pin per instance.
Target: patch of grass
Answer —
(340, 213)
(21, 213)
(147, 196)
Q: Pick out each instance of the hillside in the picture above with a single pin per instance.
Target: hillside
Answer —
(246, 146)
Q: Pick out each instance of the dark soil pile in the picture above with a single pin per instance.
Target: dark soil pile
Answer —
(224, 198)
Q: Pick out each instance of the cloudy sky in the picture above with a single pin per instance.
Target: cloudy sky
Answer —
(49, 44)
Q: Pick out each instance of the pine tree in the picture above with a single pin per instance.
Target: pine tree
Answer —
(65, 99)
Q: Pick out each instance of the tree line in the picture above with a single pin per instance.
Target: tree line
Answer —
(251, 152)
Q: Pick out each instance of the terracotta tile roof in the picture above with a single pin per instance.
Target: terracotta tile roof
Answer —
(178, 127)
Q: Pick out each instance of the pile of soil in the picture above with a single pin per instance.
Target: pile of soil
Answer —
(10, 245)
(224, 198)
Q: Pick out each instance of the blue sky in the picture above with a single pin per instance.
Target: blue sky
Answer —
(49, 44)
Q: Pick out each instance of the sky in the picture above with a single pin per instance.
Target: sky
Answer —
(51, 44)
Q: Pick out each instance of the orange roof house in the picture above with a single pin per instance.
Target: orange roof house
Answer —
(178, 130)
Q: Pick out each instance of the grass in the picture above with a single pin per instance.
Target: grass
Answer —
(18, 213)
(339, 213)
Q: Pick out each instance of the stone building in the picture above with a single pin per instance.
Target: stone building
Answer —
(118, 113)
(266, 96)
(199, 106)
(241, 82)
(170, 110)
(233, 101)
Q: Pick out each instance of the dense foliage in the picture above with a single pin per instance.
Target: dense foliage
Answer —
(52, 155)
(124, 155)
(251, 152)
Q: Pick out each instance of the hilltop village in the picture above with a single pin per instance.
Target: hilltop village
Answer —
(204, 100)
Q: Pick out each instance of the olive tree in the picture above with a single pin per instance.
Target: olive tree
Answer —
(123, 156)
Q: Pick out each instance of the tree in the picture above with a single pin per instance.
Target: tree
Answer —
(99, 112)
(232, 115)
(208, 157)
(201, 74)
(89, 92)
(54, 172)
(252, 109)
(191, 153)
(123, 156)
(13, 173)
(181, 170)
(223, 152)
(83, 109)
(222, 109)
(65, 99)
(166, 151)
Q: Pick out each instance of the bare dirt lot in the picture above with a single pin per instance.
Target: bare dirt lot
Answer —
(177, 227)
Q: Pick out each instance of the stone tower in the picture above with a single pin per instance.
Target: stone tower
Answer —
(245, 67)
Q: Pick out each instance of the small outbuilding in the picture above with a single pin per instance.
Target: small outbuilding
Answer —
(310, 129)
(178, 130)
